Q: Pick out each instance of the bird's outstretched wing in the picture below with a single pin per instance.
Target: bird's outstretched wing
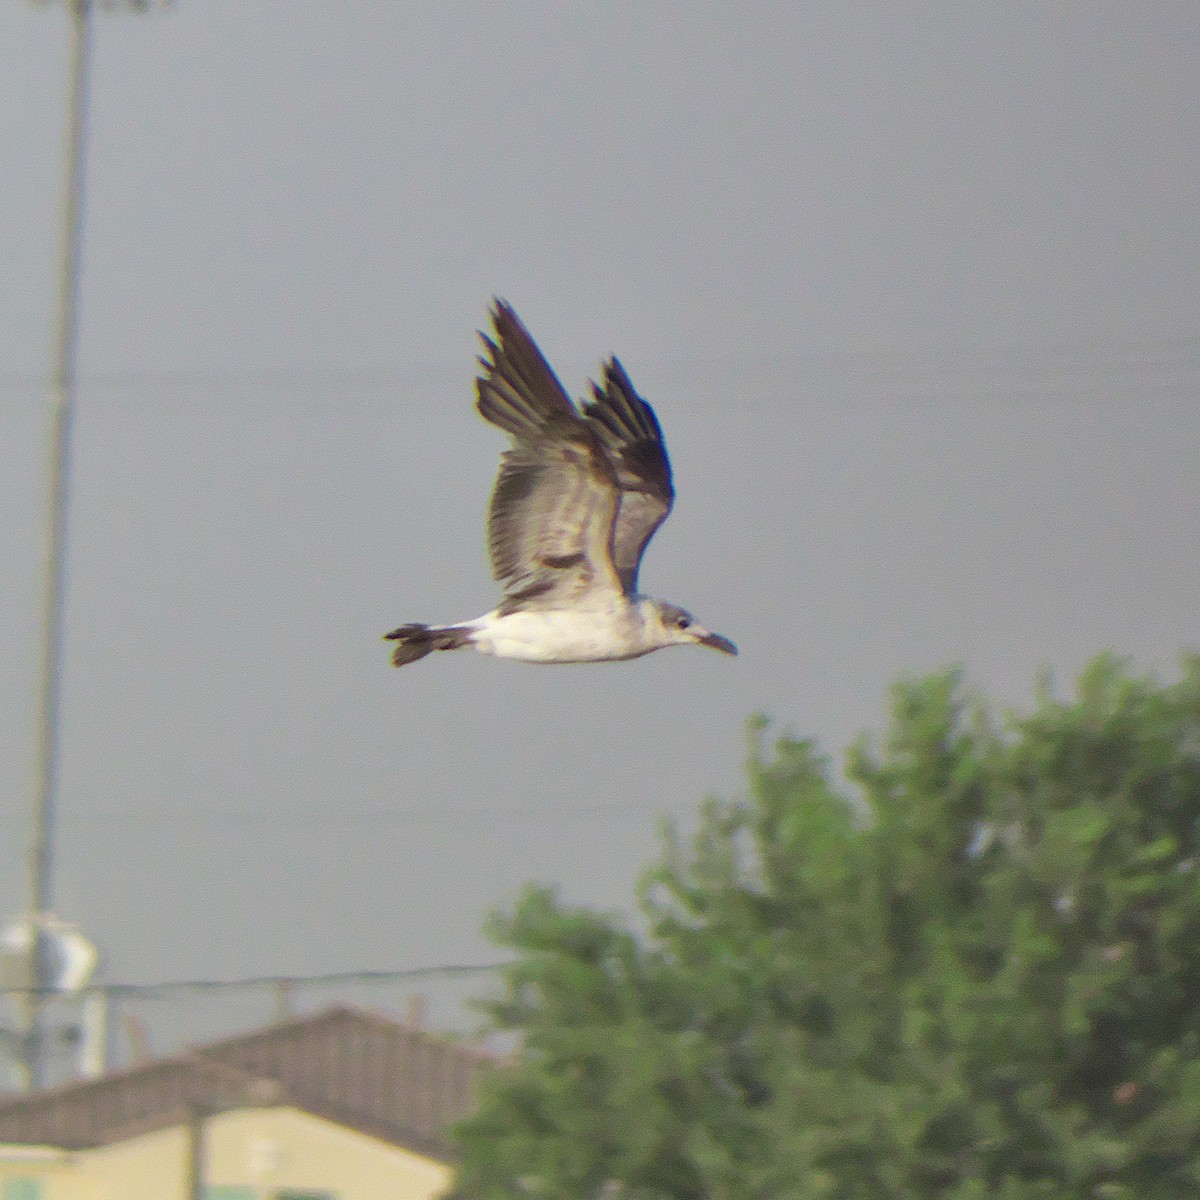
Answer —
(630, 433)
(552, 513)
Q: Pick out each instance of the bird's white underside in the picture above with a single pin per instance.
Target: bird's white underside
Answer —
(600, 633)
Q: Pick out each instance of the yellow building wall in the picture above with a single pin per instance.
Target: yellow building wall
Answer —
(53, 1170)
(152, 1166)
(265, 1150)
(281, 1149)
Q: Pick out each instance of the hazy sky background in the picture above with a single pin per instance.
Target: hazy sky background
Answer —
(915, 290)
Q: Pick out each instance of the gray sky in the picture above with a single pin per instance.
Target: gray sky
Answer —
(914, 290)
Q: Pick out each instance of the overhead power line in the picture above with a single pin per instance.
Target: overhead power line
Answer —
(341, 816)
(1128, 359)
(318, 979)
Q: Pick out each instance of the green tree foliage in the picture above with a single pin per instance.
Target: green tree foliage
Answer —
(978, 974)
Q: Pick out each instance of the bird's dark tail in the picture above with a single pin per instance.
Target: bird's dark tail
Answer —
(416, 641)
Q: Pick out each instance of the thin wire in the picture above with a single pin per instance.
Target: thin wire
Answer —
(1039, 359)
(179, 817)
(323, 978)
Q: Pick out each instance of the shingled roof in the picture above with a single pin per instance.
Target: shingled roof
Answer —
(361, 1069)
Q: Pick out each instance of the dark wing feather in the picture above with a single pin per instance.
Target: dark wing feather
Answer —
(518, 391)
(629, 431)
(552, 510)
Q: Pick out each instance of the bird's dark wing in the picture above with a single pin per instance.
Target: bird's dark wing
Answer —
(550, 521)
(630, 433)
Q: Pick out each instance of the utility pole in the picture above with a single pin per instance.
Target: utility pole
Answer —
(65, 378)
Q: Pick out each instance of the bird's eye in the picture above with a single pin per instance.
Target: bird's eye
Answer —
(682, 622)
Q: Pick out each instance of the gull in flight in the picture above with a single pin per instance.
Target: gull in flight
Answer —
(578, 497)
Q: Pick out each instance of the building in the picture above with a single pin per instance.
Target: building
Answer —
(343, 1105)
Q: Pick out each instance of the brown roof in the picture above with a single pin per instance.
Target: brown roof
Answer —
(364, 1070)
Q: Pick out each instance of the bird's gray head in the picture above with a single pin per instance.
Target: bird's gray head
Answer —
(677, 627)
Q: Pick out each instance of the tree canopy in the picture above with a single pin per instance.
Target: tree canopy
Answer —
(974, 971)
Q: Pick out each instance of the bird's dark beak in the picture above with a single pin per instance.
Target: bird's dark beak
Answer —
(717, 642)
